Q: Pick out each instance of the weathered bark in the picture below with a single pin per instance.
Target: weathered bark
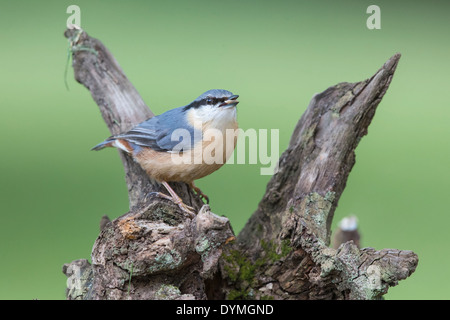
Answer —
(156, 252)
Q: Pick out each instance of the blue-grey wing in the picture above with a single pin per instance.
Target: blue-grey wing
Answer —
(166, 132)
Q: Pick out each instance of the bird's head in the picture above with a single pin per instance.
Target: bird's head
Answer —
(215, 105)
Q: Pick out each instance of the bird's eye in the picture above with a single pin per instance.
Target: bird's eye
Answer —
(209, 100)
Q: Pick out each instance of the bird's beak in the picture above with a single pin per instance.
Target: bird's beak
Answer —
(231, 102)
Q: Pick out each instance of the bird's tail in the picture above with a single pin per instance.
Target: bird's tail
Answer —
(107, 143)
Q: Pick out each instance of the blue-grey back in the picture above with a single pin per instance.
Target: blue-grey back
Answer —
(158, 132)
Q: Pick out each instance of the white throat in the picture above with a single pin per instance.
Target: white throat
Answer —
(220, 118)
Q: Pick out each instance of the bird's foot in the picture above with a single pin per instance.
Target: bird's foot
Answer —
(200, 193)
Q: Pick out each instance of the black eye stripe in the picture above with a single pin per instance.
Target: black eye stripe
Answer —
(207, 100)
(212, 100)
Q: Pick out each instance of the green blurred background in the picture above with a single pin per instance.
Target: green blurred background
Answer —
(275, 55)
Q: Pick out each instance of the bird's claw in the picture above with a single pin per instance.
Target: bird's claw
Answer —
(200, 193)
(204, 197)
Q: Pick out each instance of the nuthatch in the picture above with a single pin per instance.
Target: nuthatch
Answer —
(155, 143)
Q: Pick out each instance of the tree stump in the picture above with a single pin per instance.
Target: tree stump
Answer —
(156, 252)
